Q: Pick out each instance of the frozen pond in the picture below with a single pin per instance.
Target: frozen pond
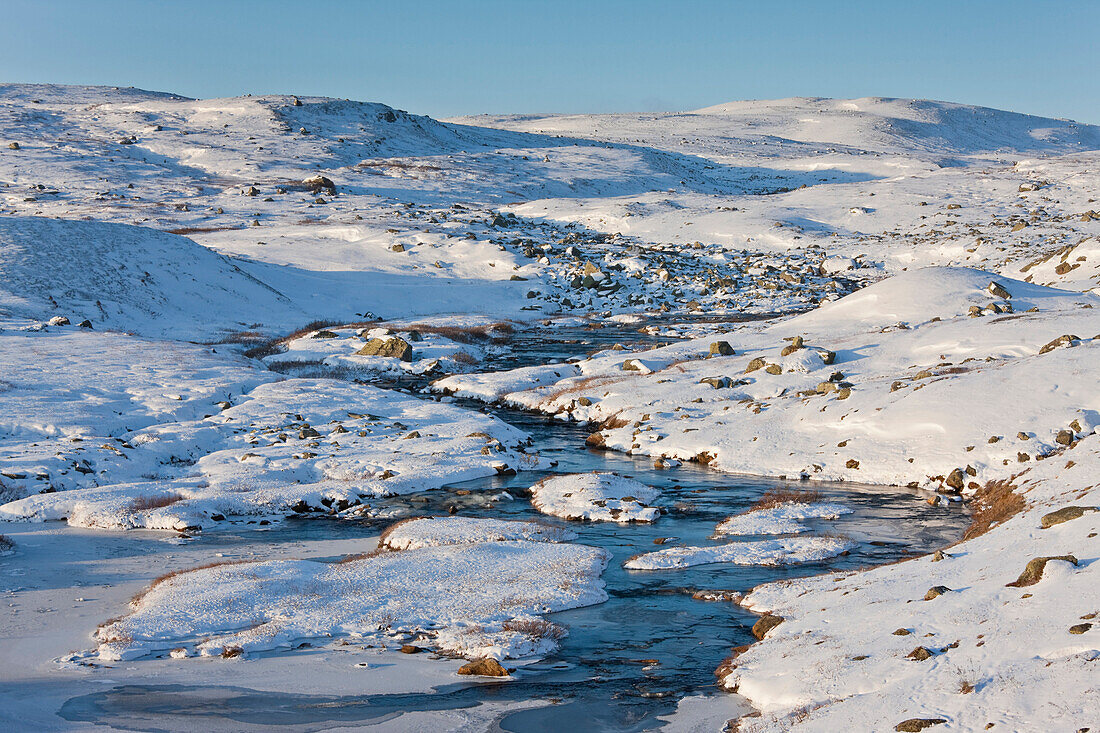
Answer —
(625, 662)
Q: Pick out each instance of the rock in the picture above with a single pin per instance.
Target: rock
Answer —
(85, 324)
(997, 290)
(915, 725)
(1029, 186)
(938, 556)
(757, 363)
(1064, 515)
(955, 480)
(1020, 225)
(902, 632)
(1033, 572)
(827, 357)
(919, 654)
(852, 463)
(717, 382)
(936, 591)
(795, 345)
(633, 365)
(58, 321)
(1063, 340)
(308, 432)
(411, 649)
(397, 248)
(1064, 437)
(826, 387)
(1079, 628)
(484, 668)
(765, 624)
(721, 348)
(13, 146)
(395, 347)
(323, 334)
(773, 369)
(584, 402)
(319, 183)
(595, 440)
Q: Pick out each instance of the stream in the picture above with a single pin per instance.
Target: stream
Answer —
(625, 662)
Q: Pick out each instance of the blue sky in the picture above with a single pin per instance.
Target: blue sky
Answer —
(450, 58)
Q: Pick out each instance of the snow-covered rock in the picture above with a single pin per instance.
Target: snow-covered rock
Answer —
(601, 497)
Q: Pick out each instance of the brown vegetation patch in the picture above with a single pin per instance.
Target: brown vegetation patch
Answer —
(537, 627)
(580, 385)
(494, 332)
(779, 495)
(184, 231)
(993, 504)
(384, 537)
(145, 503)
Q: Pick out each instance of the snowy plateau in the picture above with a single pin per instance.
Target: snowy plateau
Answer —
(317, 414)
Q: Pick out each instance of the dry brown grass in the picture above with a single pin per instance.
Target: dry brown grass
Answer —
(993, 504)
(581, 385)
(409, 165)
(537, 627)
(384, 537)
(202, 230)
(775, 497)
(494, 332)
(145, 503)
(461, 357)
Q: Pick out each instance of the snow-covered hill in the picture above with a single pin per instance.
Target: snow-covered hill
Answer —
(930, 272)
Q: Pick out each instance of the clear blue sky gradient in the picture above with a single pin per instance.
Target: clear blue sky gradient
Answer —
(451, 58)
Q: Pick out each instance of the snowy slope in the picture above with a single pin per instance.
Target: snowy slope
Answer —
(130, 278)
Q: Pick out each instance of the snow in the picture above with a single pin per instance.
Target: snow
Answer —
(879, 231)
(257, 457)
(784, 518)
(420, 532)
(485, 587)
(787, 551)
(597, 497)
(1012, 645)
(907, 359)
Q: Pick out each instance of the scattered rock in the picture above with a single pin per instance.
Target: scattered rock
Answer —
(997, 290)
(915, 725)
(936, 591)
(1033, 573)
(1064, 437)
(919, 654)
(1063, 340)
(319, 183)
(395, 347)
(757, 363)
(411, 649)
(483, 668)
(721, 348)
(1064, 514)
(1080, 628)
(773, 369)
(766, 623)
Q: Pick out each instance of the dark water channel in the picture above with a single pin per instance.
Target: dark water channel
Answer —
(625, 662)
